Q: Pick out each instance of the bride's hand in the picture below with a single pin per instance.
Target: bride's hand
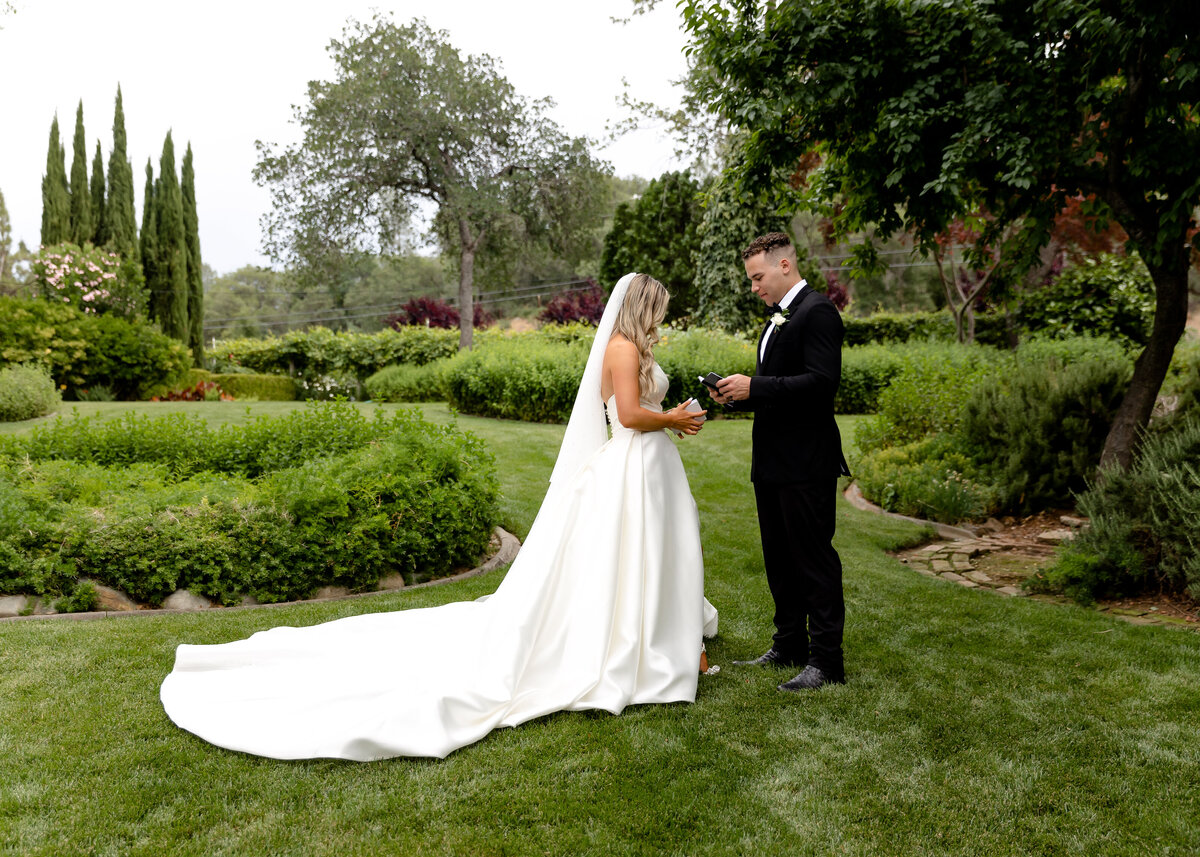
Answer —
(683, 421)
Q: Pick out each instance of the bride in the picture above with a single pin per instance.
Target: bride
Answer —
(603, 607)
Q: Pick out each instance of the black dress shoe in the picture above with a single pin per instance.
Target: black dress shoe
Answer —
(772, 657)
(811, 678)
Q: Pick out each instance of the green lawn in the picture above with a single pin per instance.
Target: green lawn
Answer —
(971, 724)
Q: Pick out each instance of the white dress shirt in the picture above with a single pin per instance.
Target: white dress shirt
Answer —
(784, 304)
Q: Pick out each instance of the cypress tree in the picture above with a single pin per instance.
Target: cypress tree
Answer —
(195, 282)
(56, 197)
(99, 230)
(120, 222)
(81, 193)
(149, 243)
(171, 286)
(5, 241)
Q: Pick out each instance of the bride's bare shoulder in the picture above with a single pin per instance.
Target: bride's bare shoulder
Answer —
(618, 344)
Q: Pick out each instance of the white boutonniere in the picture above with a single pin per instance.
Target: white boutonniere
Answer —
(780, 318)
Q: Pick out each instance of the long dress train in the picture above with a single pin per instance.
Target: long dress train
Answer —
(603, 608)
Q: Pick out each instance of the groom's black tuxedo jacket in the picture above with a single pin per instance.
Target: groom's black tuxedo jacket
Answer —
(796, 438)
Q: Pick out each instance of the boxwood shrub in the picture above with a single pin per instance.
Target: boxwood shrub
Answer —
(26, 392)
(406, 382)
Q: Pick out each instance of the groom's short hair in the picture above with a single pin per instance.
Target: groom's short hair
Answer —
(774, 244)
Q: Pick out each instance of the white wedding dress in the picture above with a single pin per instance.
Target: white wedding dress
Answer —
(603, 608)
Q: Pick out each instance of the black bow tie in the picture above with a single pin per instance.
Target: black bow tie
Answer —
(774, 308)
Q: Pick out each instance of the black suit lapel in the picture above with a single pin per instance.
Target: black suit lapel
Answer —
(793, 312)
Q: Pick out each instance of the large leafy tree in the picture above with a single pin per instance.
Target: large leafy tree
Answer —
(925, 112)
(407, 125)
(657, 234)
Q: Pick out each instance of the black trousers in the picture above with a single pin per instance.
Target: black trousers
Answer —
(803, 570)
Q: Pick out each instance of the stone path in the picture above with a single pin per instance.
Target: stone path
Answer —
(960, 562)
(1000, 557)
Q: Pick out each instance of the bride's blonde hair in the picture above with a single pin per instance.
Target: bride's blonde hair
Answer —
(642, 312)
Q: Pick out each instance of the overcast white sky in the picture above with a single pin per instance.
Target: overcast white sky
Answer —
(224, 73)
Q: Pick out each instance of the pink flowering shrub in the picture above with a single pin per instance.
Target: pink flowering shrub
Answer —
(88, 278)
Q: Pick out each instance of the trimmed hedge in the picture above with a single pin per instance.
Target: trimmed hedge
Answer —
(518, 380)
(240, 385)
(867, 371)
(527, 379)
(26, 392)
(408, 383)
(339, 500)
(319, 352)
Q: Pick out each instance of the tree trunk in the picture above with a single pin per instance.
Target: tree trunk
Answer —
(1170, 318)
(466, 286)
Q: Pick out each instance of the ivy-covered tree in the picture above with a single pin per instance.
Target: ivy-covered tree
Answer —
(925, 112)
(97, 198)
(56, 196)
(658, 234)
(195, 267)
(81, 192)
(408, 120)
(169, 288)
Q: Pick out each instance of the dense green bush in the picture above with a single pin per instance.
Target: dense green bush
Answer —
(536, 378)
(886, 327)
(1014, 431)
(927, 394)
(395, 495)
(1109, 295)
(127, 356)
(186, 445)
(930, 478)
(1143, 531)
(408, 383)
(26, 392)
(867, 371)
(517, 379)
(1037, 430)
(688, 355)
(319, 353)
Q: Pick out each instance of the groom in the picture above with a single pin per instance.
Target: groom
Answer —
(796, 461)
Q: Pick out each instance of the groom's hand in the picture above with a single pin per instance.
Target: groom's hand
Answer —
(732, 388)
